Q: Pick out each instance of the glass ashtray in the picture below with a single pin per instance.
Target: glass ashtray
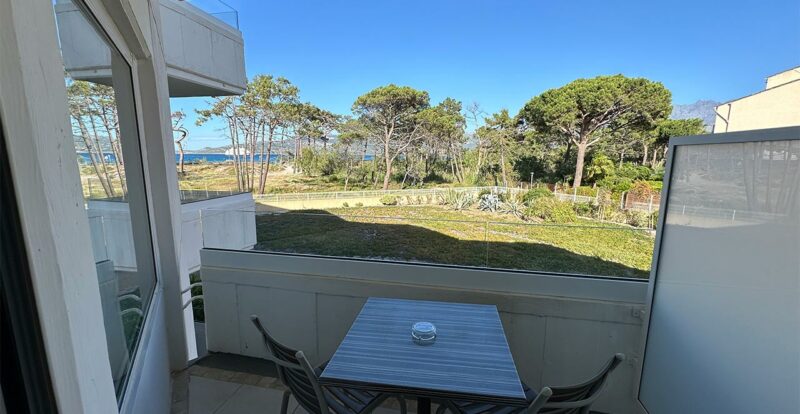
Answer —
(423, 333)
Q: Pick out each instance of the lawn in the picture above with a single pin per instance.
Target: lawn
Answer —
(434, 234)
(221, 177)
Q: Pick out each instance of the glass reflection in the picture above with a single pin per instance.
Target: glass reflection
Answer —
(108, 156)
(735, 184)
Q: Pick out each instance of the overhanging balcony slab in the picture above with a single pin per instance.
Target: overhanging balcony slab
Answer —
(204, 55)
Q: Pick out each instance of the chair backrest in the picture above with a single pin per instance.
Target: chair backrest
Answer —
(577, 399)
(295, 372)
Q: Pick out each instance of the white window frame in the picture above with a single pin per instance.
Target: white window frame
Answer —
(33, 106)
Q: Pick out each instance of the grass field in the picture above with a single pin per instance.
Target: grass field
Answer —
(435, 234)
(280, 180)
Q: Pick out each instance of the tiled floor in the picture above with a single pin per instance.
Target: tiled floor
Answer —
(205, 390)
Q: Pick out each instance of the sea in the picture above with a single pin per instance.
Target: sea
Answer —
(190, 158)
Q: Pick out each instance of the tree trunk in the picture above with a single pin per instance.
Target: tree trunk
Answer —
(579, 164)
(503, 167)
(180, 157)
(387, 175)
(99, 147)
(644, 159)
(234, 153)
(265, 169)
(87, 141)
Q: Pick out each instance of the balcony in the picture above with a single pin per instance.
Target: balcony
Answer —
(204, 51)
(724, 276)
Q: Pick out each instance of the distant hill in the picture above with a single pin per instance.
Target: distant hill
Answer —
(211, 150)
(703, 109)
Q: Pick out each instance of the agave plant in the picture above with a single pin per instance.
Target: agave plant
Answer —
(489, 202)
(456, 200)
(514, 207)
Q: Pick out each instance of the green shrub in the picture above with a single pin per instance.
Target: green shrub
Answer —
(359, 204)
(388, 200)
(345, 204)
(552, 210)
(615, 215)
(584, 209)
(637, 218)
(616, 184)
(535, 194)
(584, 191)
(656, 185)
(634, 172)
(197, 305)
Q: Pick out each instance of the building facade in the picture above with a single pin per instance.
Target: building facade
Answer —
(778, 105)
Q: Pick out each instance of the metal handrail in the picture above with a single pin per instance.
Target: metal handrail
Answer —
(193, 285)
(192, 299)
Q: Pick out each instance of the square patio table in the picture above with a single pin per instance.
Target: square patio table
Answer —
(470, 359)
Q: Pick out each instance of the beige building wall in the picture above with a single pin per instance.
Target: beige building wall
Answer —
(787, 76)
(777, 106)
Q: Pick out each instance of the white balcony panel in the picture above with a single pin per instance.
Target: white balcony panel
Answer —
(560, 329)
(223, 222)
(204, 55)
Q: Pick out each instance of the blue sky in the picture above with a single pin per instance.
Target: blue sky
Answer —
(501, 53)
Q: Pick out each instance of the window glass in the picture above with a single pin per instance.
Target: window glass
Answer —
(107, 154)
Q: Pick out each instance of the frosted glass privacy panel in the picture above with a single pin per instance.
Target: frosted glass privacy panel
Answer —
(724, 327)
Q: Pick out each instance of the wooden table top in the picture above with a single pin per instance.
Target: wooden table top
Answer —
(469, 360)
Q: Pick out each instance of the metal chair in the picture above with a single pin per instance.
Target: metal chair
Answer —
(301, 379)
(574, 399)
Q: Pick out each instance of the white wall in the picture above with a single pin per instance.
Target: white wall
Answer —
(223, 222)
(560, 329)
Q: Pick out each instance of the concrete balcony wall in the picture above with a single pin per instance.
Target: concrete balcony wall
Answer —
(561, 329)
(204, 55)
(226, 222)
(223, 222)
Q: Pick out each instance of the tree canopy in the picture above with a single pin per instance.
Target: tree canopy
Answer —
(391, 113)
(584, 109)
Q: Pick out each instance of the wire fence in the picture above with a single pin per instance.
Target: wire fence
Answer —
(344, 195)
(626, 200)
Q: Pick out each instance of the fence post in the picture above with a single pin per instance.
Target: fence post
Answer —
(650, 205)
(622, 200)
